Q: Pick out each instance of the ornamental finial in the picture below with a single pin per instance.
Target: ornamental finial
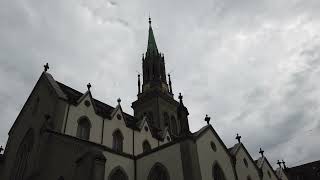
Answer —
(88, 86)
(46, 67)
(207, 119)
(261, 152)
(238, 138)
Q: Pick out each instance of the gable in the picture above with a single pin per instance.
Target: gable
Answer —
(211, 151)
(47, 87)
(267, 170)
(245, 166)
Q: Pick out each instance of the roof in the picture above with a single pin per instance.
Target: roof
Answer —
(152, 46)
(104, 110)
(306, 171)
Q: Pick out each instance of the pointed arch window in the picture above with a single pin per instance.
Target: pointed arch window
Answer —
(84, 126)
(146, 146)
(117, 144)
(22, 157)
(174, 126)
(158, 172)
(118, 174)
(217, 173)
(166, 118)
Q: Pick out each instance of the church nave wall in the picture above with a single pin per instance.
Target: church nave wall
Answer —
(169, 157)
(83, 111)
(244, 171)
(213, 154)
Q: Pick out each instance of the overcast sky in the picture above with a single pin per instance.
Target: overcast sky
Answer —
(253, 66)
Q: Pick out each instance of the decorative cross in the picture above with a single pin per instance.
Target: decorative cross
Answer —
(119, 101)
(46, 67)
(279, 163)
(261, 152)
(180, 97)
(1, 149)
(284, 164)
(238, 138)
(207, 119)
(88, 86)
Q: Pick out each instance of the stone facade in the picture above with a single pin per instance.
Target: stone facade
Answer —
(62, 133)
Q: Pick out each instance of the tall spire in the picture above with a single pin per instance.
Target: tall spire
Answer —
(152, 46)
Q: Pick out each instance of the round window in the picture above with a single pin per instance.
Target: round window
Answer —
(213, 146)
(146, 128)
(118, 116)
(245, 162)
(87, 103)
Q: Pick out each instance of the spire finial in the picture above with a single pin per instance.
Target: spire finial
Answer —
(180, 98)
(119, 101)
(139, 84)
(149, 20)
(207, 119)
(89, 86)
(170, 84)
(284, 164)
(279, 163)
(46, 67)
(238, 138)
(261, 152)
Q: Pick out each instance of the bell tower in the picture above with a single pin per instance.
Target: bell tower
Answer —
(155, 97)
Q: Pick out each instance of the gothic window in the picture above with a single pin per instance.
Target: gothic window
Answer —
(118, 174)
(146, 146)
(117, 144)
(22, 157)
(217, 173)
(245, 162)
(83, 130)
(166, 118)
(158, 172)
(174, 126)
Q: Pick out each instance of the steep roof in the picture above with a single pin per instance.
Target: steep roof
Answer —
(152, 46)
(306, 171)
(104, 110)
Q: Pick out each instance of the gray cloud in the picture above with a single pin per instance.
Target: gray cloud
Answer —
(251, 65)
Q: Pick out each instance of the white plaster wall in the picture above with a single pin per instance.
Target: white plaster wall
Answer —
(165, 141)
(170, 157)
(207, 157)
(114, 161)
(265, 169)
(111, 125)
(141, 136)
(76, 112)
(242, 171)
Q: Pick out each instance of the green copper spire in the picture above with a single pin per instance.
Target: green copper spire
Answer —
(152, 46)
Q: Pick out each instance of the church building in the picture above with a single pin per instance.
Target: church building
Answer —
(63, 134)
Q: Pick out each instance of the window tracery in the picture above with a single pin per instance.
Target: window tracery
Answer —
(84, 126)
(158, 172)
(117, 144)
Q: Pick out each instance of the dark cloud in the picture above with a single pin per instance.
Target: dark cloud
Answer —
(251, 65)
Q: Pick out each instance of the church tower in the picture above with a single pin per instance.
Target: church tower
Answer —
(155, 98)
